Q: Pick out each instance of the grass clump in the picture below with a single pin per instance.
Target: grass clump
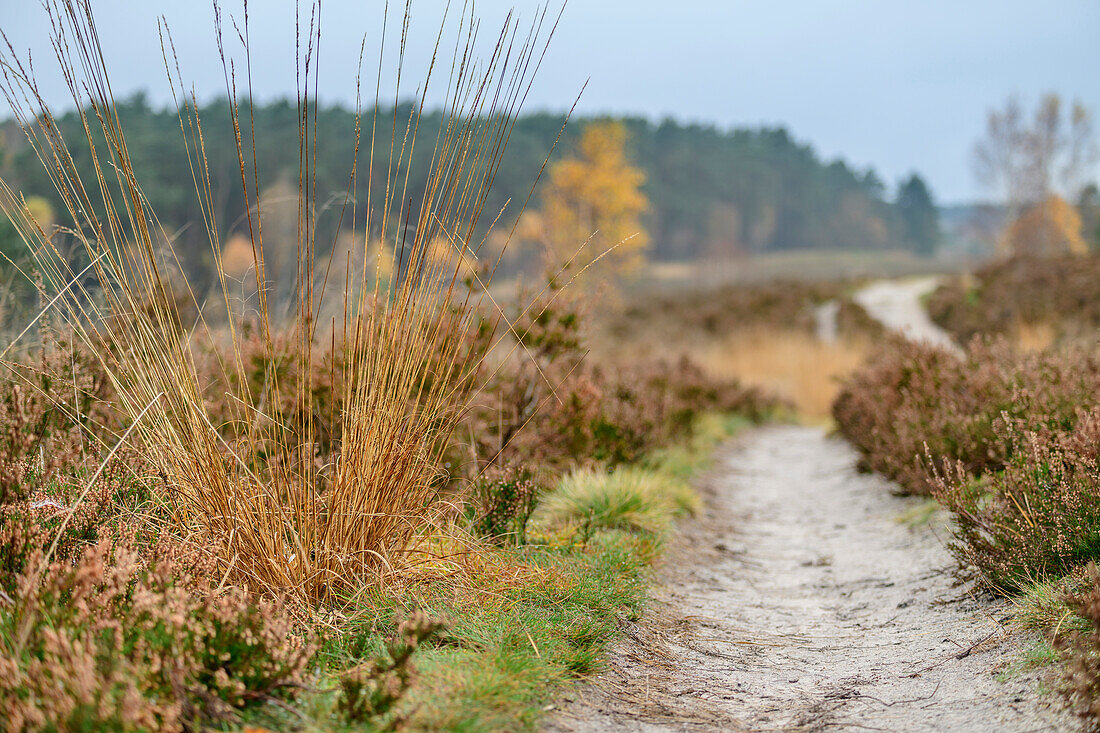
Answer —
(628, 498)
(291, 507)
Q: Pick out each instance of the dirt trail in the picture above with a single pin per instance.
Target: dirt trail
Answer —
(799, 601)
(897, 305)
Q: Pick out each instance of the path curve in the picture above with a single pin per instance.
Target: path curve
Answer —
(897, 305)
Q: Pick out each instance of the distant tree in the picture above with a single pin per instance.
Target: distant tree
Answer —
(1050, 227)
(12, 246)
(1088, 205)
(597, 194)
(1033, 166)
(1024, 162)
(919, 218)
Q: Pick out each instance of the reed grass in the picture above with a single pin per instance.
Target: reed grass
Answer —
(284, 516)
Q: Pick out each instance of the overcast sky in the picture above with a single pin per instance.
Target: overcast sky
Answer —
(895, 85)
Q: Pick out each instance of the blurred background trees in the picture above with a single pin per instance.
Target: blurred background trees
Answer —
(920, 222)
(690, 190)
(1035, 164)
(595, 196)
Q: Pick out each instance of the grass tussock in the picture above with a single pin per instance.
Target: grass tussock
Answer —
(285, 517)
(630, 499)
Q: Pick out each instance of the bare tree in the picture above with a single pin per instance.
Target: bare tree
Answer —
(1024, 162)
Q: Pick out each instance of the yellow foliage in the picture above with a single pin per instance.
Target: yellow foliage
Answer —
(597, 192)
(448, 255)
(40, 211)
(237, 256)
(1048, 228)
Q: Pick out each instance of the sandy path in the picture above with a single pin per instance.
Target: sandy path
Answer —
(799, 601)
(897, 305)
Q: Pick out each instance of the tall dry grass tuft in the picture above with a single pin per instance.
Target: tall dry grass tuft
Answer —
(286, 516)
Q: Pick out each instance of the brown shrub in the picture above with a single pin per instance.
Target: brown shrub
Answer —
(1039, 517)
(912, 401)
(759, 335)
(555, 405)
(1014, 293)
(614, 415)
(52, 422)
(104, 644)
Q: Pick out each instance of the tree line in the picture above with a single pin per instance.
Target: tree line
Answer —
(710, 192)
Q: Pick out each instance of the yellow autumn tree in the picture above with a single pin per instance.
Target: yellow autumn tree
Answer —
(597, 194)
(1050, 227)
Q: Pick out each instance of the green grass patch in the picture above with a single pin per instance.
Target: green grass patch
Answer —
(1042, 606)
(922, 514)
(509, 644)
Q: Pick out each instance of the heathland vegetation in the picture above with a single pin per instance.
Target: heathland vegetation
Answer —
(357, 493)
(278, 450)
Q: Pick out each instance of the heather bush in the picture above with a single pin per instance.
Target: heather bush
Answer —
(912, 409)
(1080, 650)
(33, 443)
(1038, 517)
(556, 406)
(51, 428)
(1019, 291)
(501, 503)
(105, 644)
(614, 415)
(370, 692)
